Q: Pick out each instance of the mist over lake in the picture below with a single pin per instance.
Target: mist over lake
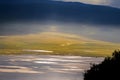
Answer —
(41, 67)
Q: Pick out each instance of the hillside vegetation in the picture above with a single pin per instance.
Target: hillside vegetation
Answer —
(59, 43)
(108, 69)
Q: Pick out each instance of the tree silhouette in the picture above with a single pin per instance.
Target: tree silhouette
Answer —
(109, 69)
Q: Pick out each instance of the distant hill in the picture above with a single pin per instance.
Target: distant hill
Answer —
(57, 10)
(59, 43)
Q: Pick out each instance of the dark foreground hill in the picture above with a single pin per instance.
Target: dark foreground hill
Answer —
(109, 69)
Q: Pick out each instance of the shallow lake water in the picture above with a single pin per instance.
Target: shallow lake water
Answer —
(44, 67)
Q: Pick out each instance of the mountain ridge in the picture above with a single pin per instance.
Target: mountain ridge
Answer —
(59, 35)
(58, 43)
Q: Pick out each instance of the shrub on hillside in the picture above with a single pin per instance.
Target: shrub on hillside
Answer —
(109, 69)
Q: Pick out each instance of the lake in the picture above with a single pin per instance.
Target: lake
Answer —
(44, 67)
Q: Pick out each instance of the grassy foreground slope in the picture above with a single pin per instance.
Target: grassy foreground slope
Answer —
(59, 43)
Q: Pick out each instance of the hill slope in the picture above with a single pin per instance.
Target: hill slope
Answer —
(59, 43)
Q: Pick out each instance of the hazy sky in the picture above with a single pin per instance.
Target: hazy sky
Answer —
(70, 16)
(113, 3)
